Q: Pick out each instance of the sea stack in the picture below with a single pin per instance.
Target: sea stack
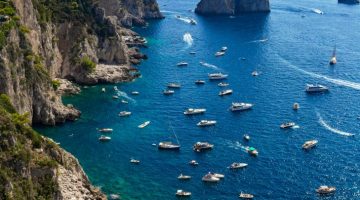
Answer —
(349, 1)
(231, 7)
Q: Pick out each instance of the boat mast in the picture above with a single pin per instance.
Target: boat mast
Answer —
(334, 52)
(174, 134)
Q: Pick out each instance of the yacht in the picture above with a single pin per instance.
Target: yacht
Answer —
(225, 92)
(236, 165)
(184, 177)
(255, 73)
(217, 76)
(182, 64)
(124, 101)
(106, 130)
(200, 82)
(247, 137)
(246, 196)
(194, 111)
(168, 146)
(168, 92)
(219, 53)
(183, 193)
(124, 113)
(206, 123)
(135, 93)
(324, 189)
(333, 60)
(143, 125)
(252, 151)
(174, 85)
(134, 161)
(193, 163)
(240, 106)
(296, 106)
(220, 176)
(287, 125)
(309, 144)
(223, 49)
(201, 146)
(210, 178)
(311, 88)
(222, 84)
(104, 138)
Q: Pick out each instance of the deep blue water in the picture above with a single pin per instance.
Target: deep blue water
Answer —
(289, 50)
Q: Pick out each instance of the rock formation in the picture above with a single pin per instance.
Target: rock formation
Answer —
(231, 7)
(349, 1)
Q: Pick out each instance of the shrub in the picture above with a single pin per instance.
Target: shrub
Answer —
(55, 84)
(6, 104)
(24, 29)
(87, 64)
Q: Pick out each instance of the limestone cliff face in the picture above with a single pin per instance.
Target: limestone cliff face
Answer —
(231, 7)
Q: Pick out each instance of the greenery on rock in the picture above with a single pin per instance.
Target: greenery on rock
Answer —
(87, 64)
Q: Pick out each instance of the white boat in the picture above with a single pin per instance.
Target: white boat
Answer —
(183, 193)
(246, 196)
(174, 85)
(134, 161)
(225, 92)
(217, 175)
(210, 178)
(318, 11)
(246, 137)
(255, 73)
(222, 84)
(103, 90)
(236, 165)
(240, 106)
(193, 22)
(168, 92)
(114, 196)
(168, 146)
(287, 125)
(106, 130)
(206, 123)
(200, 82)
(124, 113)
(324, 189)
(316, 88)
(123, 101)
(194, 111)
(104, 138)
(202, 146)
(143, 125)
(217, 76)
(182, 64)
(309, 144)
(135, 93)
(219, 53)
(252, 151)
(223, 49)
(115, 97)
(192, 53)
(193, 163)
(333, 60)
(296, 106)
(184, 177)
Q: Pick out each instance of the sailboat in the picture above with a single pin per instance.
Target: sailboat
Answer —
(169, 145)
(333, 57)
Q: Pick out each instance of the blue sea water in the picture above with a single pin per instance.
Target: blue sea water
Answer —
(290, 47)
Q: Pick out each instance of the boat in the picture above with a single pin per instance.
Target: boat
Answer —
(184, 177)
(246, 196)
(174, 85)
(199, 82)
(114, 196)
(201, 146)
(104, 138)
(115, 97)
(316, 88)
(192, 53)
(246, 137)
(217, 76)
(193, 22)
(143, 125)
(178, 16)
(106, 130)
(255, 73)
(194, 111)
(219, 53)
(193, 163)
(103, 90)
(182, 64)
(222, 84)
(206, 123)
(134, 161)
(318, 11)
(135, 93)
(115, 88)
(287, 125)
(183, 193)
(124, 113)
(333, 57)
(210, 178)
(309, 144)
(168, 92)
(296, 106)
(240, 106)
(324, 189)
(217, 175)
(123, 101)
(168, 146)
(223, 49)
(252, 151)
(225, 92)
(236, 165)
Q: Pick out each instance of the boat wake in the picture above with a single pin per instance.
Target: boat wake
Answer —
(125, 96)
(334, 130)
(295, 127)
(208, 65)
(237, 146)
(188, 39)
(259, 41)
(184, 19)
(317, 11)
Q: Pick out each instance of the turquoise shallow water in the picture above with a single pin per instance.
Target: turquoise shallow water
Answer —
(288, 50)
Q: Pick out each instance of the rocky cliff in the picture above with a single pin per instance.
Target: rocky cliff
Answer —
(231, 7)
(349, 1)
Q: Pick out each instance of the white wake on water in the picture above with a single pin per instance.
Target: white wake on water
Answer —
(334, 130)
(125, 96)
(259, 41)
(184, 19)
(188, 39)
(209, 65)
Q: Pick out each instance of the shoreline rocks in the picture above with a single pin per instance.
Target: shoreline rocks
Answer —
(231, 7)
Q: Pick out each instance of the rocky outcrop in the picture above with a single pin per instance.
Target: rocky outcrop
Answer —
(231, 7)
(349, 1)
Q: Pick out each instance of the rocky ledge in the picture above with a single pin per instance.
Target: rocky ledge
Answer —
(231, 7)
(349, 1)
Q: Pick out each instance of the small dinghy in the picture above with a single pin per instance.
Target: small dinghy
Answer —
(103, 90)
(143, 125)
(296, 106)
(135, 93)
(246, 137)
(106, 130)
(183, 193)
(236, 165)
(222, 84)
(174, 85)
(168, 92)
(200, 82)
(104, 138)
(134, 161)
(182, 64)
(124, 113)
(193, 163)
(246, 196)
(184, 177)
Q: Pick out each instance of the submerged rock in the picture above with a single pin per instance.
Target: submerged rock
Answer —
(231, 7)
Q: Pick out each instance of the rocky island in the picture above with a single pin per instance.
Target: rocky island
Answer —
(231, 7)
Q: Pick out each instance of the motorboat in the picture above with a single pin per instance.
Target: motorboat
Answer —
(241, 106)
(135, 93)
(316, 88)
(182, 64)
(115, 97)
(192, 53)
(184, 177)
(223, 49)
(143, 125)
(199, 82)
(309, 144)
(236, 165)
(222, 84)
(318, 11)
(246, 196)
(202, 146)
(103, 90)
(246, 137)
(168, 146)
(219, 53)
(194, 111)
(225, 92)
(217, 76)
(210, 178)
(104, 138)
(124, 101)
(174, 85)
(193, 163)
(324, 189)
(124, 113)
(217, 175)
(296, 106)
(183, 193)
(206, 123)
(252, 151)
(106, 130)
(255, 73)
(287, 125)
(193, 22)
(333, 60)
(168, 92)
(134, 161)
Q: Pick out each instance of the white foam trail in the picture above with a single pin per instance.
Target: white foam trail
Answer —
(168, 11)
(124, 95)
(334, 130)
(209, 65)
(259, 41)
(186, 20)
(295, 127)
(188, 39)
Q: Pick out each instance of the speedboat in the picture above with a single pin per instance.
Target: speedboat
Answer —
(193, 163)
(200, 82)
(217, 76)
(193, 22)
(309, 144)
(104, 138)
(206, 123)
(236, 165)
(217, 175)
(324, 189)
(192, 53)
(223, 49)
(311, 88)
(219, 53)
(123, 101)
(182, 64)
(168, 146)
(124, 113)
(225, 92)
(143, 125)
(287, 125)
(194, 111)
(246, 196)
(210, 178)
(135, 93)
(201, 146)
(252, 151)
(247, 137)
(255, 73)
(168, 92)
(240, 106)
(184, 177)
(183, 193)
(115, 97)
(103, 90)
(106, 130)
(318, 11)
(134, 161)
(222, 84)
(296, 106)
(173, 85)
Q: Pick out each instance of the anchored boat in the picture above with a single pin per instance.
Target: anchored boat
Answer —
(194, 111)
